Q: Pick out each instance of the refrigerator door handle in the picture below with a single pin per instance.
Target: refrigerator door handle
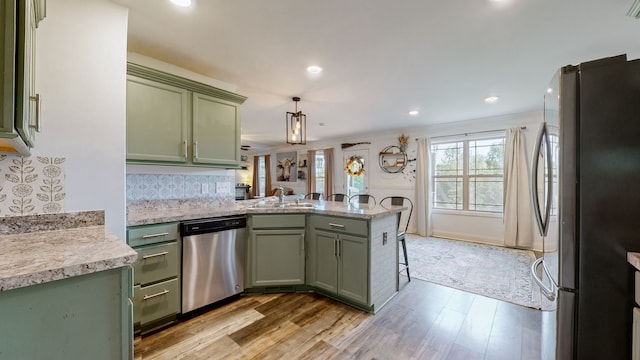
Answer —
(535, 162)
(547, 292)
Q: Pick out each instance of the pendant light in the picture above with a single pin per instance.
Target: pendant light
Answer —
(296, 126)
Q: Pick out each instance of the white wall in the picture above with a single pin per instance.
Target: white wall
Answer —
(81, 72)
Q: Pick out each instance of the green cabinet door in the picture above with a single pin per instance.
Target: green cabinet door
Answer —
(277, 257)
(216, 131)
(353, 268)
(83, 317)
(26, 97)
(325, 261)
(157, 121)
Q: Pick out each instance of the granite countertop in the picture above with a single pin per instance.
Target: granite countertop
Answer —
(633, 258)
(157, 216)
(40, 248)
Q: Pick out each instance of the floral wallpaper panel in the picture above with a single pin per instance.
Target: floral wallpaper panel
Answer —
(31, 185)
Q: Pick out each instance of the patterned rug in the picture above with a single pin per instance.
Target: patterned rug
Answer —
(491, 271)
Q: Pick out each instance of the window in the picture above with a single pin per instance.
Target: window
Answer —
(261, 191)
(468, 175)
(319, 172)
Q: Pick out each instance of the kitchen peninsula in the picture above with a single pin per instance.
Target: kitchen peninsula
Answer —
(344, 251)
(65, 288)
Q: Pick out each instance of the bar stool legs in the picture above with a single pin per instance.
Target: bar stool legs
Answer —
(406, 259)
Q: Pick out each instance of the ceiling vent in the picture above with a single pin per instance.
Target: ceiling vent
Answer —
(635, 10)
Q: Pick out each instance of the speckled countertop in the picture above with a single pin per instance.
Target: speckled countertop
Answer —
(156, 216)
(634, 259)
(40, 248)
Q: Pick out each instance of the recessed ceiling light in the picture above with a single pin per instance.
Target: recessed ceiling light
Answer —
(549, 90)
(314, 69)
(181, 3)
(491, 99)
(414, 112)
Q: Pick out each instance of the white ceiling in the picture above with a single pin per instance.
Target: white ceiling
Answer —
(381, 58)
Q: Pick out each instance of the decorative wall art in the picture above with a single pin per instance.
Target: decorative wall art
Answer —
(31, 185)
(354, 166)
(287, 166)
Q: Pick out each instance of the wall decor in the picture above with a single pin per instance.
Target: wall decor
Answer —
(287, 165)
(403, 140)
(31, 185)
(409, 172)
(392, 159)
(354, 166)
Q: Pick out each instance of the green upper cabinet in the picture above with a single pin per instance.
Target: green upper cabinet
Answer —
(173, 120)
(20, 111)
(216, 123)
(157, 121)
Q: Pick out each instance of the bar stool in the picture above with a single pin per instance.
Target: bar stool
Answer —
(336, 197)
(401, 235)
(313, 196)
(363, 199)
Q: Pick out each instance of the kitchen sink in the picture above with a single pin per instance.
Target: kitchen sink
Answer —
(285, 205)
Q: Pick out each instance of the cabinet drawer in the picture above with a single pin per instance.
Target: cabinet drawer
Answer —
(277, 221)
(156, 301)
(332, 223)
(152, 234)
(157, 262)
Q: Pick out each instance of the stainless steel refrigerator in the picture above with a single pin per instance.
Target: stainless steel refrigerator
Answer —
(586, 193)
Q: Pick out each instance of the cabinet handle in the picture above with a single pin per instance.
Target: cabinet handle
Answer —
(155, 255)
(163, 292)
(195, 149)
(336, 225)
(302, 242)
(184, 143)
(154, 235)
(335, 247)
(338, 241)
(37, 100)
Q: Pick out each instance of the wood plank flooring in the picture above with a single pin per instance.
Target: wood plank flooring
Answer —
(424, 321)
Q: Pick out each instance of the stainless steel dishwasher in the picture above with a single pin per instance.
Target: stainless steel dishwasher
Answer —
(213, 259)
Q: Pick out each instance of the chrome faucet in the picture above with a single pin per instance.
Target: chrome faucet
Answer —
(281, 194)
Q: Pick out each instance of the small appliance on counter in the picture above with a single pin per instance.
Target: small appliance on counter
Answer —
(242, 191)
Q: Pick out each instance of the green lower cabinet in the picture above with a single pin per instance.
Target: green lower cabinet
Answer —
(83, 317)
(325, 261)
(277, 257)
(353, 270)
(156, 301)
(340, 265)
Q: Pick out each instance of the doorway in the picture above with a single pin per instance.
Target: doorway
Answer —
(354, 185)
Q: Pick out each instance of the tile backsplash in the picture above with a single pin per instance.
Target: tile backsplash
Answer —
(31, 185)
(179, 186)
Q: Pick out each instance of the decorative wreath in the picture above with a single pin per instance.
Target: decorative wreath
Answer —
(355, 166)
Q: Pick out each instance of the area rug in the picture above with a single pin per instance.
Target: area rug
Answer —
(492, 271)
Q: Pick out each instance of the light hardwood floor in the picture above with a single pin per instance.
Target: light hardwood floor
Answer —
(424, 321)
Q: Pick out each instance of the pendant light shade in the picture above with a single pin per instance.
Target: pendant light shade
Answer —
(296, 126)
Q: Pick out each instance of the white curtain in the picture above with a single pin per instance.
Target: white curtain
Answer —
(516, 201)
(423, 187)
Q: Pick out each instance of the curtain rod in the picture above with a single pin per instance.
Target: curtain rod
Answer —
(470, 133)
